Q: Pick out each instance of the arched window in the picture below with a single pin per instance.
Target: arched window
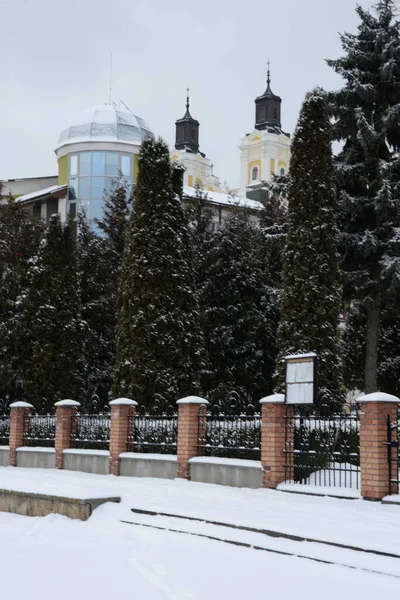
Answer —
(282, 171)
(275, 114)
(254, 174)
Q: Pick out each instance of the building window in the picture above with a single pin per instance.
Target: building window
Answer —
(193, 135)
(282, 172)
(181, 133)
(254, 174)
(261, 116)
(275, 114)
(92, 175)
(73, 165)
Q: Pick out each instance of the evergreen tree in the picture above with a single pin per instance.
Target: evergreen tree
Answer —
(97, 309)
(19, 240)
(311, 297)
(50, 324)
(239, 311)
(117, 208)
(367, 113)
(158, 336)
(354, 345)
(274, 224)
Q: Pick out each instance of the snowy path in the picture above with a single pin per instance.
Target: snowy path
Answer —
(50, 557)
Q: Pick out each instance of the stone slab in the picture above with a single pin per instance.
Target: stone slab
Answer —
(40, 505)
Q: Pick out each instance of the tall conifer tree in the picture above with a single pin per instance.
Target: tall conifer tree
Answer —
(158, 340)
(97, 290)
(367, 112)
(19, 241)
(51, 324)
(239, 311)
(311, 297)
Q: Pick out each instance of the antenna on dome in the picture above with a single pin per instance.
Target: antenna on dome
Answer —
(110, 88)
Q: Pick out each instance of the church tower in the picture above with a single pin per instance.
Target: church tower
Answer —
(266, 150)
(187, 131)
(198, 168)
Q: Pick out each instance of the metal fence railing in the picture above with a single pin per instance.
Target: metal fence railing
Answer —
(40, 427)
(226, 433)
(90, 427)
(4, 421)
(322, 449)
(153, 429)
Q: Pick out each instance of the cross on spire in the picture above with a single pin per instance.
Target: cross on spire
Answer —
(269, 73)
(187, 98)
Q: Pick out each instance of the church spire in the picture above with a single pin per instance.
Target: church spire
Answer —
(187, 130)
(268, 109)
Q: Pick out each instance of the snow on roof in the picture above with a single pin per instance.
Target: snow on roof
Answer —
(106, 123)
(40, 193)
(225, 199)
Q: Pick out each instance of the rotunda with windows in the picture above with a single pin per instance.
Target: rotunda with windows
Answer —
(100, 146)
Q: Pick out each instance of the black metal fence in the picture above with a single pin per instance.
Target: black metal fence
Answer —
(4, 421)
(153, 428)
(232, 431)
(91, 428)
(322, 449)
(393, 444)
(40, 426)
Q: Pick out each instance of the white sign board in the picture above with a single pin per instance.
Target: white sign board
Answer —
(300, 378)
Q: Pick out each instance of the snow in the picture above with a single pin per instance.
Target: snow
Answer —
(193, 400)
(149, 456)
(67, 403)
(273, 399)
(393, 499)
(378, 397)
(106, 558)
(43, 192)
(316, 490)
(123, 402)
(86, 451)
(225, 199)
(230, 462)
(21, 404)
(294, 356)
(36, 449)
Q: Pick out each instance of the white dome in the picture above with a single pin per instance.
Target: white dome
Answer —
(106, 123)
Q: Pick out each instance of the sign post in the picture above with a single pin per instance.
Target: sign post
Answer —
(300, 378)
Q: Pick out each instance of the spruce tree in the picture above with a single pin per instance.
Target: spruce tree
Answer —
(367, 120)
(51, 324)
(117, 208)
(158, 335)
(19, 240)
(97, 290)
(311, 297)
(239, 312)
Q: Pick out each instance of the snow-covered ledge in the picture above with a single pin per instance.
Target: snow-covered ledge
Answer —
(193, 400)
(378, 397)
(123, 402)
(273, 399)
(21, 404)
(67, 403)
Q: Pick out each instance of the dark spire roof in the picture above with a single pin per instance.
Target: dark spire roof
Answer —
(187, 131)
(268, 109)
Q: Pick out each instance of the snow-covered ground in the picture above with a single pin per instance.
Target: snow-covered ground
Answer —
(54, 557)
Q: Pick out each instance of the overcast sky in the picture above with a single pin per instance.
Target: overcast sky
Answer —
(54, 62)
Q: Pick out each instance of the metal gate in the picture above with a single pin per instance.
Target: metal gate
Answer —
(393, 436)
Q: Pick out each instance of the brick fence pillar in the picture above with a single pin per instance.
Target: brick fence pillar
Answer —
(121, 410)
(19, 410)
(374, 463)
(273, 425)
(188, 432)
(64, 411)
